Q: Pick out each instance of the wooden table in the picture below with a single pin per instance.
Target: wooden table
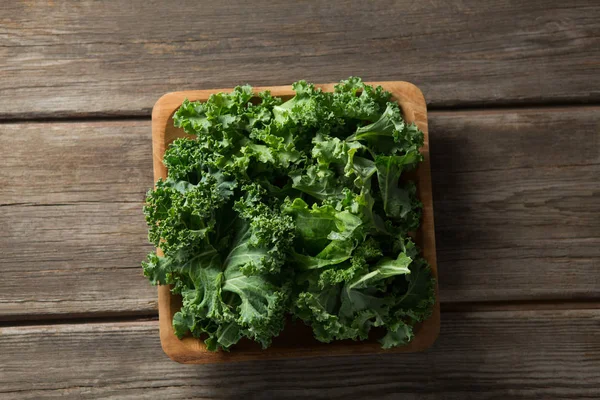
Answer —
(513, 90)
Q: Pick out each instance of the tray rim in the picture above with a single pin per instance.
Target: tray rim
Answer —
(191, 350)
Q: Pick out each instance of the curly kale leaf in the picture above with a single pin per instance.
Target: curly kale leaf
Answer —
(215, 289)
(400, 202)
(354, 100)
(180, 214)
(324, 235)
(390, 134)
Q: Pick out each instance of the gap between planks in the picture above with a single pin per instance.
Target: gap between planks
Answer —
(446, 308)
(77, 319)
(145, 115)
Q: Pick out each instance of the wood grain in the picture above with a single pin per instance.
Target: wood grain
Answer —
(81, 258)
(73, 231)
(516, 202)
(66, 163)
(294, 341)
(482, 355)
(515, 197)
(65, 58)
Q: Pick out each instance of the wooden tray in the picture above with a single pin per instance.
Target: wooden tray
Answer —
(297, 339)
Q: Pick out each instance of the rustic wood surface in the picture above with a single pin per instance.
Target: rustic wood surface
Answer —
(72, 239)
(479, 355)
(62, 58)
(514, 96)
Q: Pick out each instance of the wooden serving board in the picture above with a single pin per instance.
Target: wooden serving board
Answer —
(297, 339)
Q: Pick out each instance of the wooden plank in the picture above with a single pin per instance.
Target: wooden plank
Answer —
(515, 198)
(481, 355)
(516, 204)
(117, 58)
(65, 163)
(80, 258)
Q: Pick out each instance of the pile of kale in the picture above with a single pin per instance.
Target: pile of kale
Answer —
(291, 208)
